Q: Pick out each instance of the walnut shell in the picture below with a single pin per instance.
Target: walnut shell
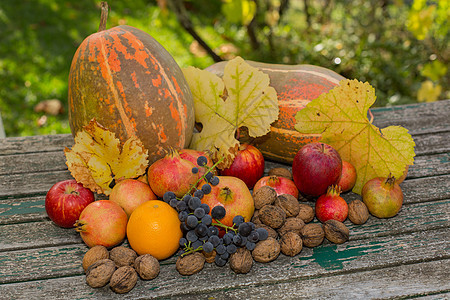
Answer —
(358, 212)
(255, 218)
(272, 216)
(123, 280)
(272, 232)
(210, 257)
(291, 224)
(190, 264)
(266, 195)
(289, 204)
(94, 254)
(99, 273)
(266, 251)
(312, 235)
(336, 232)
(291, 244)
(123, 256)
(147, 266)
(306, 212)
(281, 172)
(241, 261)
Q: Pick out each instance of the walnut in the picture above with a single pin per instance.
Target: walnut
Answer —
(291, 224)
(272, 216)
(291, 244)
(281, 172)
(266, 251)
(190, 264)
(312, 235)
(336, 232)
(358, 212)
(306, 213)
(147, 266)
(266, 195)
(123, 280)
(210, 257)
(241, 261)
(123, 256)
(255, 218)
(99, 273)
(272, 232)
(94, 254)
(289, 204)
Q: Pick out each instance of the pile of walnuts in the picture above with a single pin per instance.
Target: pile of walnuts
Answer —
(120, 267)
(288, 222)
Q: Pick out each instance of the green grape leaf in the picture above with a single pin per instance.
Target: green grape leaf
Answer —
(341, 117)
(242, 98)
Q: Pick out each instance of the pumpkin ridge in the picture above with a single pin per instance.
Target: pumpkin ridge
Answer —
(107, 75)
(176, 113)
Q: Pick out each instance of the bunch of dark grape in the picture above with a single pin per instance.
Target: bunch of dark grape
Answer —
(201, 229)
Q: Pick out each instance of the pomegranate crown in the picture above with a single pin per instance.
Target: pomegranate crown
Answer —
(390, 180)
(334, 190)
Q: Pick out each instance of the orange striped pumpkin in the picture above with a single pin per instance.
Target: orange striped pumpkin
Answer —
(296, 86)
(130, 84)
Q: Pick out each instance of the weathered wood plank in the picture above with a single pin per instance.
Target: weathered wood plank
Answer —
(33, 163)
(417, 118)
(55, 160)
(398, 281)
(38, 143)
(325, 260)
(410, 219)
(18, 185)
(414, 280)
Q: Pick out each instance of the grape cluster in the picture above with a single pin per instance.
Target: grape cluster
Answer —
(200, 224)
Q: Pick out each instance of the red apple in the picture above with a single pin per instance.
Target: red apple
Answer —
(130, 193)
(281, 185)
(192, 155)
(233, 194)
(331, 206)
(65, 201)
(348, 177)
(316, 166)
(248, 165)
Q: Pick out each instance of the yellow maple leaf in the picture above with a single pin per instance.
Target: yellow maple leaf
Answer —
(242, 98)
(97, 158)
(341, 117)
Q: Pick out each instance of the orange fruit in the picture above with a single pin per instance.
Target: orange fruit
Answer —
(154, 228)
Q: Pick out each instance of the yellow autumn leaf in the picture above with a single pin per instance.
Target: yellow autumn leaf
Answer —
(341, 117)
(97, 158)
(242, 98)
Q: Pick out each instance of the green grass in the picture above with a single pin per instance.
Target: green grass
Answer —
(39, 38)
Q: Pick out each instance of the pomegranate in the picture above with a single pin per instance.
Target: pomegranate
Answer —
(192, 155)
(348, 177)
(382, 196)
(331, 206)
(281, 185)
(102, 222)
(172, 173)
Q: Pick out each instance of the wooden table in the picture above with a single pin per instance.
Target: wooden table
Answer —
(404, 256)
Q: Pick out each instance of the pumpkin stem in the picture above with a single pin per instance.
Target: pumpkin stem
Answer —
(104, 16)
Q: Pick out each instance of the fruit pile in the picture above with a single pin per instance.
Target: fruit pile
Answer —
(166, 200)
(205, 217)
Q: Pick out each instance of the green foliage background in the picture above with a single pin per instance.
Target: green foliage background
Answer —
(367, 40)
